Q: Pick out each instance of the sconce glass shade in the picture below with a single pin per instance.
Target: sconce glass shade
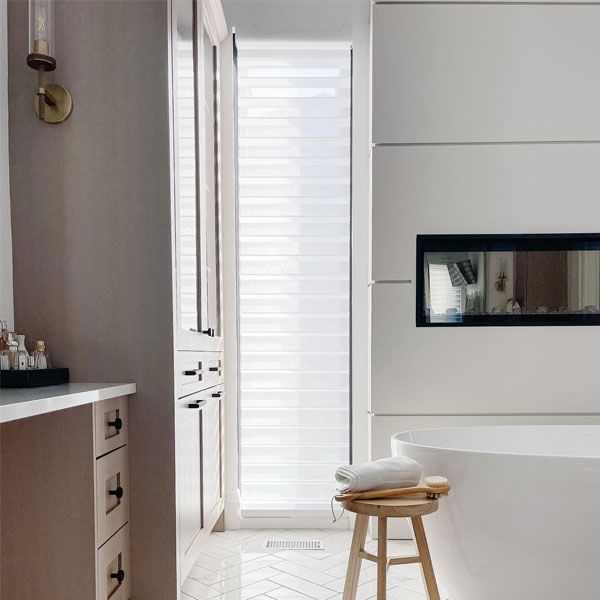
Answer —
(41, 30)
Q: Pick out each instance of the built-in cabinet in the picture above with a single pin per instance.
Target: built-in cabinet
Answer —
(198, 29)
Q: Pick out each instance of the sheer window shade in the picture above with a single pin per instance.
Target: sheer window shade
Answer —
(294, 271)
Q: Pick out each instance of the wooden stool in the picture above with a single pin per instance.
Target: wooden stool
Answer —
(413, 509)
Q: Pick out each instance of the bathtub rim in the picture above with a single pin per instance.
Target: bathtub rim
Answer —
(394, 439)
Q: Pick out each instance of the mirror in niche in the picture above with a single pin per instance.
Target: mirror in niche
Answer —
(508, 280)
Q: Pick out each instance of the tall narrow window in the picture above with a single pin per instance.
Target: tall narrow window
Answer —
(294, 128)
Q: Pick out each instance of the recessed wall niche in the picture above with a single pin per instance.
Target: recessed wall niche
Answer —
(527, 279)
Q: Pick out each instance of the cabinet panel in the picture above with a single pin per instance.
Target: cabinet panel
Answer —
(212, 443)
(189, 470)
(485, 72)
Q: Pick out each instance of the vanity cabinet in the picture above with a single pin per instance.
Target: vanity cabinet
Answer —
(65, 504)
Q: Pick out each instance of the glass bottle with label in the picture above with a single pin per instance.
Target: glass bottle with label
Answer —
(23, 354)
(40, 356)
(13, 351)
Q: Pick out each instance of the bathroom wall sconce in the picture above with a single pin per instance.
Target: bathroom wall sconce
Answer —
(53, 103)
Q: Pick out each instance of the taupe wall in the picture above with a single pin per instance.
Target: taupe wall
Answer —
(91, 237)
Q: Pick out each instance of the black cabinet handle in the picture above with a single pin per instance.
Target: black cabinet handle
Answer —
(118, 493)
(213, 369)
(193, 372)
(117, 424)
(119, 576)
(210, 332)
(197, 404)
(216, 394)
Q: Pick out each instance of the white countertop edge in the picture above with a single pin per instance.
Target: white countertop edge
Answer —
(21, 403)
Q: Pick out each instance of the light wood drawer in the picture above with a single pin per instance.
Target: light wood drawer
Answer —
(110, 424)
(112, 493)
(113, 562)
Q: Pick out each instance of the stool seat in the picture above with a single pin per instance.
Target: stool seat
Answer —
(412, 508)
(392, 507)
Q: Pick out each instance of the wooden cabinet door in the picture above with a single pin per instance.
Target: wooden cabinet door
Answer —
(189, 477)
(212, 455)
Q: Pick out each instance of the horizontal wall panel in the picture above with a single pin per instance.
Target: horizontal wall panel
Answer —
(485, 72)
(478, 189)
(476, 369)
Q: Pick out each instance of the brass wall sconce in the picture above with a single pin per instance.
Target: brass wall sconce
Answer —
(53, 103)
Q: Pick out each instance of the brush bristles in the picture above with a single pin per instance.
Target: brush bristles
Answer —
(436, 481)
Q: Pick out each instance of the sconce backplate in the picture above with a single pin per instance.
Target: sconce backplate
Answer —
(63, 108)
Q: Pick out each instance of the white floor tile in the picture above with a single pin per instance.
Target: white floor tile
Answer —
(235, 565)
(318, 592)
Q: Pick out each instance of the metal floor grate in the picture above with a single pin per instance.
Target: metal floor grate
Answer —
(294, 545)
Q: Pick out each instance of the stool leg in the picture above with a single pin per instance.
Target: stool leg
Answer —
(354, 560)
(381, 557)
(426, 565)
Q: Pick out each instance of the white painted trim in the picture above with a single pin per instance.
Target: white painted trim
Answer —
(6, 270)
(229, 282)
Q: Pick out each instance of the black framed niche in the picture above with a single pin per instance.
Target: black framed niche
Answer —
(495, 280)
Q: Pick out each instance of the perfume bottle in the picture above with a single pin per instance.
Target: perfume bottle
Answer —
(23, 355)
(13, 351)
(40, 356)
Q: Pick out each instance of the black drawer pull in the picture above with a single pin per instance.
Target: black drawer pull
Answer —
(119, 576)
(193, 372)
(197, 404)
(117, 424)
(217, 394)
(210, 332)
(118, 493)
(213, 369)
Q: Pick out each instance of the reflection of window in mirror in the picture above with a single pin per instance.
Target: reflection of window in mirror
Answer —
(445, 299)
(186, 182)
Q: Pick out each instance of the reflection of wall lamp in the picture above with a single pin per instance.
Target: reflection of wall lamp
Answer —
(53, 103)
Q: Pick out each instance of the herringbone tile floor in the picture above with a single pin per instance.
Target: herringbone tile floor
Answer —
(235, 565)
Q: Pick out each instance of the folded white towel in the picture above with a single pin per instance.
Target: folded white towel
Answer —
(382, 474)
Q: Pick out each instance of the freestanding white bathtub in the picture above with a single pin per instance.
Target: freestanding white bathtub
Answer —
(522, 521)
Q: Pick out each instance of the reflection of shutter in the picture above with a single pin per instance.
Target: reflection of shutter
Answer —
(443, 295)
(294, 269)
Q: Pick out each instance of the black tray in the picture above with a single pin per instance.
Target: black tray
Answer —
(33, 378)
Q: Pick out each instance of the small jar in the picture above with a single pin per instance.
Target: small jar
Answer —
(13, 352)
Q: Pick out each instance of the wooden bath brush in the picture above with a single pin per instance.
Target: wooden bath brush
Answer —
(434, 487)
